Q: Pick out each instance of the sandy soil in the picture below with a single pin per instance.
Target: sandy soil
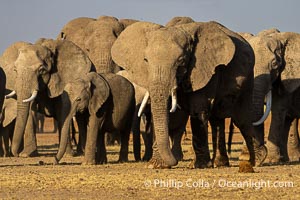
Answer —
(37, 178)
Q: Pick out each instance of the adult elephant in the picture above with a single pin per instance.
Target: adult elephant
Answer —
(96, 37)
(108, 103)
(276, 69)
(189, 55)
(176, 125)
(40, 72)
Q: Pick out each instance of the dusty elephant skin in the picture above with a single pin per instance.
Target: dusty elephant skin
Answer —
(96, 37)
(276, 69)
(39, 72)
(190, 55)
(108, 100)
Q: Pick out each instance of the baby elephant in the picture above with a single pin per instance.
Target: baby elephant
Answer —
(106, 103)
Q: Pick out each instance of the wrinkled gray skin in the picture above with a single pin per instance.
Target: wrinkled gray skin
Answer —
(276, 67)
(44, 67)
(96, 37)
(108, 102)
(161, 59)
(177, 126)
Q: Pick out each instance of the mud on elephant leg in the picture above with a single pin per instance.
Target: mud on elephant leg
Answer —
(293, 142)
(200, 144)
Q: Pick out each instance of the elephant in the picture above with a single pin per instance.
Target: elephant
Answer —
(108, 103)
(194, 56)
(177, 124)
(7, 125)
(95, 37)
(37, 74)
(276, 70)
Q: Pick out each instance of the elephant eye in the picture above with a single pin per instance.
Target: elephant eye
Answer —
(145, 59)
(78, 99)
(42, 70)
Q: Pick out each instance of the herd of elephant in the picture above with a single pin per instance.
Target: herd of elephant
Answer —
(107, 73)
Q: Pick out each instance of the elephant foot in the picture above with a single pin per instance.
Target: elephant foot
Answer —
(221, 161)
(157, 163)
(273, 153)
(88, 162)
(246, 167)
(294, 154)
(200, 163)
(178, 154)
(27, 154)
(261, 153)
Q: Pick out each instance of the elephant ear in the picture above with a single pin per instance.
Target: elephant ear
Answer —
(100, 91)
(9, 111)
(128, 50)
(290, 76)
(7, 61)
(213, 48)
(70, 63)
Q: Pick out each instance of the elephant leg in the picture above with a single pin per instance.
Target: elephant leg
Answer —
(148, 137)
(30, 143)
(123, 156)
(200, 144)
(82, 123)
(101, 155)
(136, 136)
(95, 142)
(220, 157)
(5, 139)
(275, 135)
(1, 144)
(293, 142)
(284, 157)
(176, 137)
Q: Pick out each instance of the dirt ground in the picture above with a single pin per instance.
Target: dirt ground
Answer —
(37, 178)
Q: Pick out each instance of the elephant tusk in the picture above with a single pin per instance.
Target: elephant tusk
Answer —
(33, 96)
(174, 101)
(267, 111)
(10, 94)
(143, 104)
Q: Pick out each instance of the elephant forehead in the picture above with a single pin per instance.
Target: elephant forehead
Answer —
(28, 58)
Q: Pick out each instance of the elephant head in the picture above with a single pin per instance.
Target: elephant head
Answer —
(88, 92)
(161, 58)
(275, 58)
(95, 37)
(46, 66)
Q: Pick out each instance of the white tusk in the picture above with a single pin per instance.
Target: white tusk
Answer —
(267, 111)
(33, 96)
(143, 104)
(174, 101)
(10, 94)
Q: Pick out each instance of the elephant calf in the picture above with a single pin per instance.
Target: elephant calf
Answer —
(108, 102)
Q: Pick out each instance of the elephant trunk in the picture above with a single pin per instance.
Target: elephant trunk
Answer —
(160, 113)
(21, 121)
(27, 90)
(262, 86)
(65, 135)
